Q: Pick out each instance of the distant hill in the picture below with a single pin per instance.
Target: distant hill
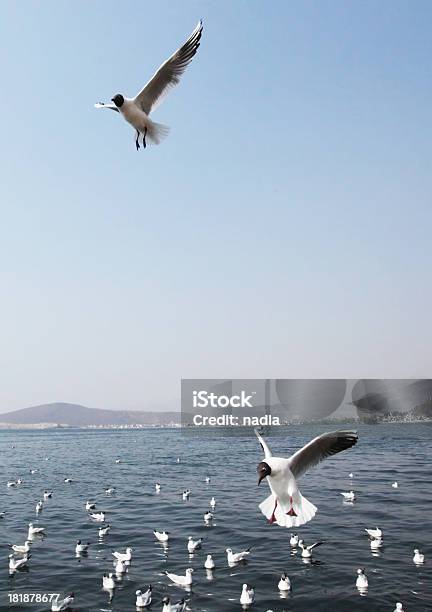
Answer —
(75, 415)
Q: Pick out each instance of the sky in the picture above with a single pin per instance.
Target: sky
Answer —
(282, 230)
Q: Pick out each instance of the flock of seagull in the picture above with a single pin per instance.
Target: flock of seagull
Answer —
(273, 468)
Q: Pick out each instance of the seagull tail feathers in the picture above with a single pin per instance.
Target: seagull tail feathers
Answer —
(156, 132)
(301, 511)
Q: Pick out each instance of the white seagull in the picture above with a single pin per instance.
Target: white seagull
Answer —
(47, 494)
(35, 530)
(208, 516)
(418, 557)
(186, 495)
(126, 556)
(90, 505)
(247, 596)
(39, 506)
(237, 557)
(81, 548)
(12, 483)
(398, 608)
(17, 564)
(207, 479)
(103, 531)
(294, 540)
(209, 563)
(62, 605)
(307, 550)
(158, 487)
(110, 490)
(395, 485)
(162, 536)
(108, 582)
(284, 583)
(21, 549)
(98, 516)
(348, 496)
(193, 545)
(362, 581)
(120, 567)
(376, 544)
(213, 503)
(184, 581)
(68, 480)
(179, 606)
(136, 110)
(286, 506)
(143, 599)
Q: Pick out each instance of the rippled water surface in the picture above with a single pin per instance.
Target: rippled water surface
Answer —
(384, 453)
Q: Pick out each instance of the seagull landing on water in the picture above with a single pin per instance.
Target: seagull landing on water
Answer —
(286, 506)
(307, 550)
(136, 110)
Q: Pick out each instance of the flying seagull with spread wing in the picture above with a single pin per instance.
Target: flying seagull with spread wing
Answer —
(286, 506)
(136, 110)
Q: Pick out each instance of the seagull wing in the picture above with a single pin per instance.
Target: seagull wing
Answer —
(314, 545)
(320, 448)
(168, 75)
(114, 108)
(266, 450)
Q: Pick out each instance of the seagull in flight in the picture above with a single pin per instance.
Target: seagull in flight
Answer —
(136, 110)
(286, 506)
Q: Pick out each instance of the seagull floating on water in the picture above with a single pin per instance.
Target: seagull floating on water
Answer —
(186, 495)
(209, 564)
(68, 480)
(120, 567)
(39, 506)
(17, 564)
(63, 605)
(11, 483)
(395, 485)
(286, 506)
(284, 583)
(35, 530)
(126, 556)
(294, 540)
(98, 516)
(104, 530)
(81, 548)
(193, 545)
(136, 110)
(237, 557)
(162, 536)
(207, 479)
(158, 487)
(108, 582)
(90, 505)
(213, 503)
(307, 550)
(247, 596)
(398, 608)
(19, 481)
(362, 581)
(349, 496)
(208, 516)
(419, 557)
(110, 490)
(47, 494)
(376, 544)
(179, 606)
(184, 581)
(143, 599)
(21, 549)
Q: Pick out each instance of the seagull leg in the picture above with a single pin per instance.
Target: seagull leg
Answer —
(144, 137)
(272, 519)
(292, 511)
(136, 141)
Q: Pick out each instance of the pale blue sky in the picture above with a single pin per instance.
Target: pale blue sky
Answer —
(282, 230)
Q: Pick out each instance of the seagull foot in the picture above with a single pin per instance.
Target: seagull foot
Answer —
(272, 519)
(292, 511)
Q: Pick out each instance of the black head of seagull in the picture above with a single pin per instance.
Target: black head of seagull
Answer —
(118, 100)
(263, 470)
